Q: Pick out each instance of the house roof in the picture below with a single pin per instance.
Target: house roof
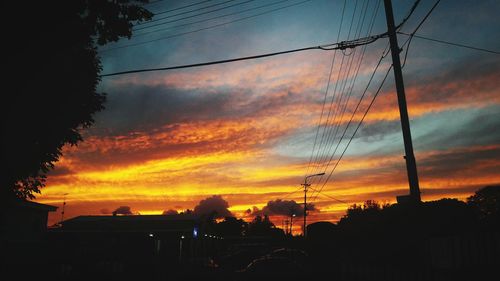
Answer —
(131, 223)
(35, 205)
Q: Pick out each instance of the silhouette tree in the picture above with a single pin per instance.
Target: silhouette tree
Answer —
(355, 212)
(52, 71)
(486, 203)
(263, 227)
(231, 226)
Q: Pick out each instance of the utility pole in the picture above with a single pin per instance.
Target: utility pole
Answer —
(411, 165)
(63, 207)
(306, 186)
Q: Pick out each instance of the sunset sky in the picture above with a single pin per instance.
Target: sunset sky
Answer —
(246, 130)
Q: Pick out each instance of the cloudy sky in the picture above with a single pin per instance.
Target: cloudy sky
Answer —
(250, 131)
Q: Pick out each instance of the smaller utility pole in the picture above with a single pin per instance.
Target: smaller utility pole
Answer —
(63, 207)
(306, 186)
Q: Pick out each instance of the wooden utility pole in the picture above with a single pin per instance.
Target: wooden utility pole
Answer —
(411, 165)
(306, 185)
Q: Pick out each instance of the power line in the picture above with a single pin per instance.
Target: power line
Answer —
(327, 47)
(205, 28)
(290, 193)
(326, 93)
(426, 16)
(156, 1)
(384, 54)
(181, 13)
(345, 130)
(191, 16)
(176, 9)
(213, 62)
(326, 152)
(333, 198)
(209, 19)
(341, 108)
(408, 15)
(415, 30)
(321, 151)
(451, 43)
(357, 128)
(182, 7)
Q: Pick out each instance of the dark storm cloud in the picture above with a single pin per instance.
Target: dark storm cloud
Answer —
(213, 205)
(60, 171)
(139, 108)
(461, 163)
(480, 129)
(170, 212)
(144, 108)
(464, 79)
(377, 131)
(123, 210)
(281, 207)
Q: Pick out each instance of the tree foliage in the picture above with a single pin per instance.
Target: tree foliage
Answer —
(231, 226)
(370, 208)
(262, 226)
(486, 204)
(53, 71)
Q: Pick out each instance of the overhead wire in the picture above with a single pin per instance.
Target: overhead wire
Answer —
(212, 62)
(452, 43)
(190, 5)
(333, 46)
(290, 193)
(178, 8)
(331, 155)
(385, 53)
(141, 27)
(373, 100)
(357, 128)
(331, 197)
(210, 19)
(342, 103)
(154, 2)
(325, 127)
(342, 108)
(326, 92)
(399, 26)
(204, 28)
(416, 29)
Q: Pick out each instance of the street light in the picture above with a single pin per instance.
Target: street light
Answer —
(291, 224)
(306, 185)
